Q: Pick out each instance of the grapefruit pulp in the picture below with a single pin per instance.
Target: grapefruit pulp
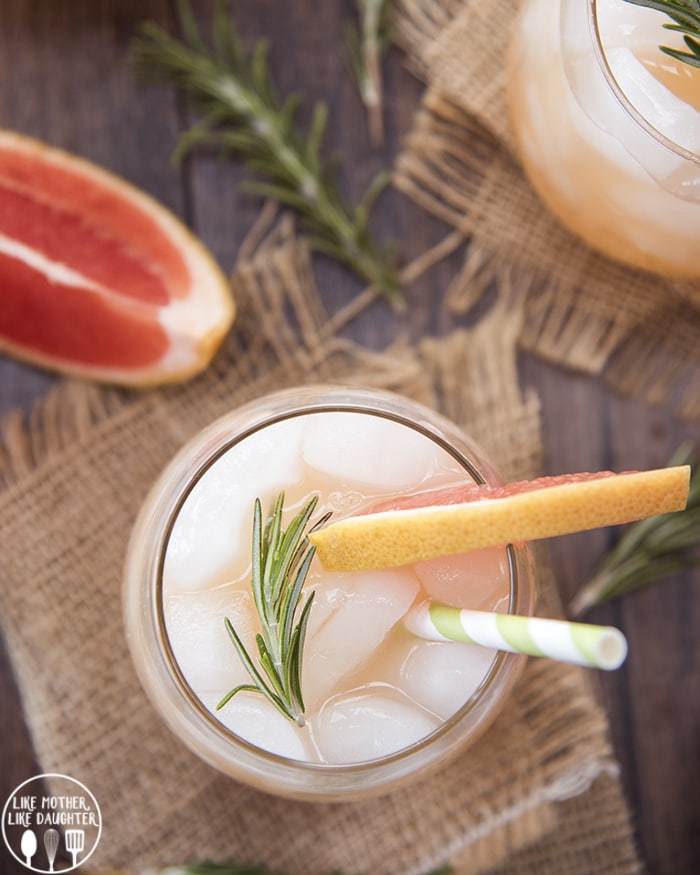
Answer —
(459, 519)
(97, 278)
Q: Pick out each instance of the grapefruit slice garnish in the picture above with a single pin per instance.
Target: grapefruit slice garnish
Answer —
(98, 279)
(444, 522)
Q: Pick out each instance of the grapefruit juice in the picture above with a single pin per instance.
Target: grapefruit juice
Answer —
(380, 704)
(608, 128)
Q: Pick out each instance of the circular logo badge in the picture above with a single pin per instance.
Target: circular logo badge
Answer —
(51, 831)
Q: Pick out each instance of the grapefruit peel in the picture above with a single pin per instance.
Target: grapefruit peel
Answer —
(525, 511)
(99, 280)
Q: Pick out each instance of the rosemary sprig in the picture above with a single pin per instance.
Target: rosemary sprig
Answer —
(281, 560)
(367, 45)
(685, 15)
(242, 113)
(649, 550)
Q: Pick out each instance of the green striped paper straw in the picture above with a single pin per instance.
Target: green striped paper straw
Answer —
(582, 643)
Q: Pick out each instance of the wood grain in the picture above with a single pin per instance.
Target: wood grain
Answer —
(67, 79)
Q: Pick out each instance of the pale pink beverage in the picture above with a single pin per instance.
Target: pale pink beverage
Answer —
(608, 128)
(380, 703)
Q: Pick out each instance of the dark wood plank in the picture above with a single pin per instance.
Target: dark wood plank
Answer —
(652, 701)
(67, 80)
(655, 700)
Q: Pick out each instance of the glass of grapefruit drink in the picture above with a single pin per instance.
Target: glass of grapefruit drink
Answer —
(608, 128)
(360, 703)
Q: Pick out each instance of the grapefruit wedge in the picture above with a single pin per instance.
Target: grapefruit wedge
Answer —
(463, 518)
(97, 279)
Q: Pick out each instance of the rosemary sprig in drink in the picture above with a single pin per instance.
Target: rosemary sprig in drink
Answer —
(685, 15)
(649, 550)
(281, 560)
(242, 113)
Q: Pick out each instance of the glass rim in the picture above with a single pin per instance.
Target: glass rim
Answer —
(502, 661)
(623, 99)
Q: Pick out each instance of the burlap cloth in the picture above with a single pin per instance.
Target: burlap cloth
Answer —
(540, 793)
(540, 790)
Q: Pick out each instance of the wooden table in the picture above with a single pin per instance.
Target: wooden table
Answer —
(67, 79)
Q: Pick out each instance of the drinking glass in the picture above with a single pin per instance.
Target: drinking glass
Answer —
(608, 128)
(147, 632)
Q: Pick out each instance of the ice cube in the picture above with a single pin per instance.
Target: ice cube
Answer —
(198, 637)
(636, 27)
(619, 24)
(442, 677)
(359, 609)
(667, 113)
(479, 579)
(369, 723)
(355, 447)
(254, 718)
(327, 600)
(211, 536)
(631, 36)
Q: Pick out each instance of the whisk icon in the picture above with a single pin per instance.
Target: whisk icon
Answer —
(51, 840)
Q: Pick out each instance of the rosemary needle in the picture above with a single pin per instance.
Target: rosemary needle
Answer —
(685, 15)
(280, 564)
(242, 114)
